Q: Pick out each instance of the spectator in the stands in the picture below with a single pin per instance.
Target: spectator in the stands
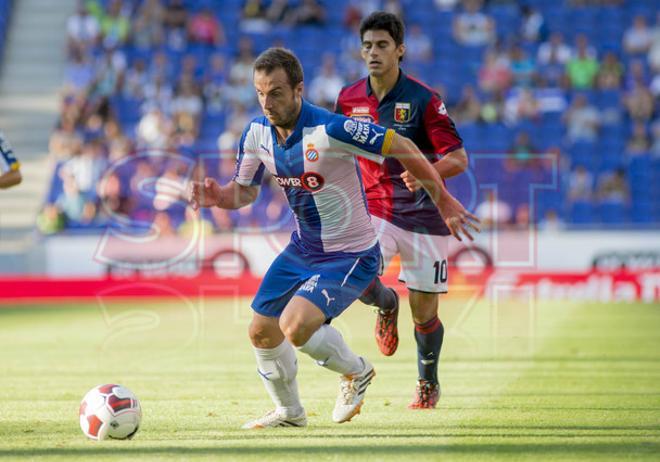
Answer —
(522, 67)
(613, 187)
(115, 26)
(163, 225)
(215, 80)
(492, 109)
(494, 212)
(158, 94)
(73, 204)
(521, 104)
(639, 102)
(523, 153)
(87, 168)
(580, 185)
(638, 38)
(555, 50)
(161, 67)
(610, 75)
(191, 69)
(468, 108)
(358, 9)
(83, 29)
(205, 28)
(582, 120)
(148, 26)
(277, 11)
(583, 67)
(195, 225)
(79, 72)
(473, 27)
(253, 17)
(326, 85)
(154, 129)
(446, 5)
(551, 222)
(110, 70)
(639, 142)
(136, 80)
(176, 24)
(654, 50)
(533, 28)
(495, 73)
(655, 147)
(187, 108)
(308, 12)
(113, 198)
(419, 48)
(66, 141)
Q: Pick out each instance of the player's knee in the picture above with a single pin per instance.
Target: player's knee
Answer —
(296, 332)
(424, 306)
(260, 335)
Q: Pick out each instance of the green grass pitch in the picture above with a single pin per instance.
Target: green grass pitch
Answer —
(546, 381)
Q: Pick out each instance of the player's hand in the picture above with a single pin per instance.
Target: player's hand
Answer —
(206, 194)
(412, 183)
(458, 219)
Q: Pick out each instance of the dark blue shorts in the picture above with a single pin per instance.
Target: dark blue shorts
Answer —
(331, 281)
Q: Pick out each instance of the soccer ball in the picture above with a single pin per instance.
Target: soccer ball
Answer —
(110, 411)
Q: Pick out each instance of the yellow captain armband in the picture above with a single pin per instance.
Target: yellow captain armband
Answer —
(15, 166)
(387, 141)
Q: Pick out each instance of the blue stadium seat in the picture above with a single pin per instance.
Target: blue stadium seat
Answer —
(612, 212)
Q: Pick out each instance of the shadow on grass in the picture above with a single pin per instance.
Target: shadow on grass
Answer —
(353, 451)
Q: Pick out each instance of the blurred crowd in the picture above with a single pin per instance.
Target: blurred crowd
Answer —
(158, 91)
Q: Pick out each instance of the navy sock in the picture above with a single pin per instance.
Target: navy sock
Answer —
(429, 336)
(379, 295)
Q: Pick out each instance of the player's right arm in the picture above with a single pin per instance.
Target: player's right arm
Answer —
(244, 187)
(10, 173)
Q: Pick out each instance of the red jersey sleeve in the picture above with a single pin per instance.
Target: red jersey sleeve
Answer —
(440, 129)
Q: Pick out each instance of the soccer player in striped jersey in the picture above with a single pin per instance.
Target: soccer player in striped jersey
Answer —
(10, 173)
(405, 217)
(333, 255)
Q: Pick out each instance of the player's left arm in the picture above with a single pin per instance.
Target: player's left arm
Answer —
(446, 142)
(10, 173)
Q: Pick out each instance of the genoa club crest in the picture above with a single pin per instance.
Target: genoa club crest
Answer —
(401, 112)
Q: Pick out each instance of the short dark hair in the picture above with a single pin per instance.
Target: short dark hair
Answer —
(382, 20)
(276, 57)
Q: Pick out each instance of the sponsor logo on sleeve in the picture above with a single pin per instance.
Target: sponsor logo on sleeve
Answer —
(359, 131)
(442, 110)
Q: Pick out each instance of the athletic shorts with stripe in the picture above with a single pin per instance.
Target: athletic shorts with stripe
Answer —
(423, 256)
(332, 281)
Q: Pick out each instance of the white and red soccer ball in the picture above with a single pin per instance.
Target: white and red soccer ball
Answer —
(110, 411)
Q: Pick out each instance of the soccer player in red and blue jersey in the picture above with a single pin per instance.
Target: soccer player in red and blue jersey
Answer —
(403, 213)
(10, 173)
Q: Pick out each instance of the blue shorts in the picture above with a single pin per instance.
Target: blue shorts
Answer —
(331, 281)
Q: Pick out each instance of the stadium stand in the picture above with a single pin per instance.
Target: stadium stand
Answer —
(147, 79)
(5, 12)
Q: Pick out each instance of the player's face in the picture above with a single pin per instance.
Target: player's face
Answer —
(380, 53)
(279, 102)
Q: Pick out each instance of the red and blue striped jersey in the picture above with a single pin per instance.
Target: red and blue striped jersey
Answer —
(417, 112)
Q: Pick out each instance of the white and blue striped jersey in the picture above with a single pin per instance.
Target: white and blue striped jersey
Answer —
(318, 170)
(7, 160)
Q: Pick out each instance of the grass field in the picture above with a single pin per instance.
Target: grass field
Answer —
(550, 382)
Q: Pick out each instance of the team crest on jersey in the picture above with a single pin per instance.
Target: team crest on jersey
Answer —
(442, 110)
(402, 112)
(311, 154)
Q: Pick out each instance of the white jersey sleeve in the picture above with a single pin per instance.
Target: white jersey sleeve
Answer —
(249, 167)
(7, 160)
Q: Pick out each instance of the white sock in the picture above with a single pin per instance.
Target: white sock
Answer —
(328, 348)
(277, 368)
